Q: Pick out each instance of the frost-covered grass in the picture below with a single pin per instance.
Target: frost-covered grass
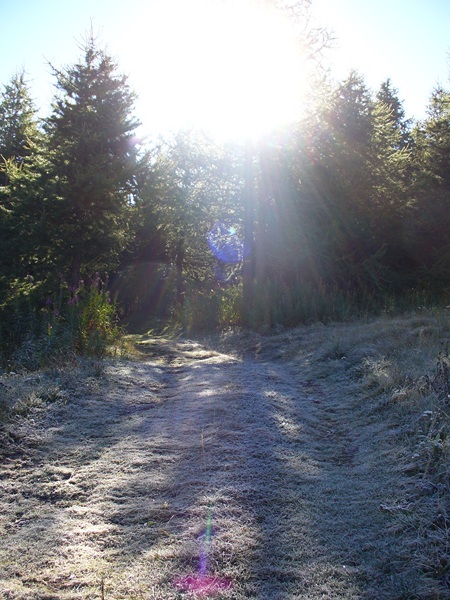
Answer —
(310, 463)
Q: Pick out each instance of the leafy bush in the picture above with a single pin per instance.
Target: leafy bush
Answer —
(207, 310)
(91, 318)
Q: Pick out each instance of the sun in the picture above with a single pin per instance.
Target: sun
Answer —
(230, 67)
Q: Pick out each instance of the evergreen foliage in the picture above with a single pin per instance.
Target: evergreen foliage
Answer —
(328, 217)
(20, 190)
(68, 192)
(432, 186)
(18, 124)
(93, 159)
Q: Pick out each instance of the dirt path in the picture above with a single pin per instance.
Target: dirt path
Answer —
(194, 473)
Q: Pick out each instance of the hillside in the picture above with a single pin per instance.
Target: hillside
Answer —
(310, 463)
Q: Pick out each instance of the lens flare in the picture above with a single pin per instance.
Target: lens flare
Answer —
(225, 244)
(204, 554)
(201, 583)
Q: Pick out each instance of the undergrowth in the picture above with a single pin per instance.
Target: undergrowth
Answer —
(399, 365)
(37, 330)
(402, 365)
(26, 397)
(393, 370)
(430, 465)
(274, 304)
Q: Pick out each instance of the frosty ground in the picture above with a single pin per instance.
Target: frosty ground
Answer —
(208, 469)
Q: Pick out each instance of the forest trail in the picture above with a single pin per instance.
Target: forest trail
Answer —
(199, 473)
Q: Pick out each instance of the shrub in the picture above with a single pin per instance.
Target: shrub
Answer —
(207, 310)
(35, 332)
(91, 318)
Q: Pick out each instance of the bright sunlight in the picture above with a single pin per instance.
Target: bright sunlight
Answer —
(231, 67)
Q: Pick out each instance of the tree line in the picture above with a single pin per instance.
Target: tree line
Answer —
(340, 210)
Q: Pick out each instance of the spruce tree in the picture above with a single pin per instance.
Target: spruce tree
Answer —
(389, 201)
(335, 180)
(398, 123)
(431, 246)
(18, 121)
(20, 139)
(93, 160)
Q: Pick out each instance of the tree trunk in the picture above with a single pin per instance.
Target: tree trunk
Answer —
(248, 266)
(179, 262)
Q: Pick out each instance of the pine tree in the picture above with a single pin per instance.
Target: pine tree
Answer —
(20, 138)
(18, 122)
(398, 123)
(432, 188)
(389, 201)
(93, 160)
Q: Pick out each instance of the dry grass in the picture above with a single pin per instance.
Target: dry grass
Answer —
(307, 464)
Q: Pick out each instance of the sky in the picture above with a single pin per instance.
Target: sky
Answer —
(407, 41)
(176, 51)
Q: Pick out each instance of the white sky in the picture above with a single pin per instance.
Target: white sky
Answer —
(406, 40)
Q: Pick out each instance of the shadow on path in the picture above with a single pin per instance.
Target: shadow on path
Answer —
(190, 464)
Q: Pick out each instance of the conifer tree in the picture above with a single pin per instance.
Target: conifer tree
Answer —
(20, 139)
(389, 199)
(93, 160)
(335, 182)
(27, 246)
(18, 122)
(432, 189)
(401, 126)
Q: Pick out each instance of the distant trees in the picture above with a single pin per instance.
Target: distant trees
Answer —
(356, 200)
(199, 183)
(432, 190)
(18, 122)
(20, 138)
(351, 202)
